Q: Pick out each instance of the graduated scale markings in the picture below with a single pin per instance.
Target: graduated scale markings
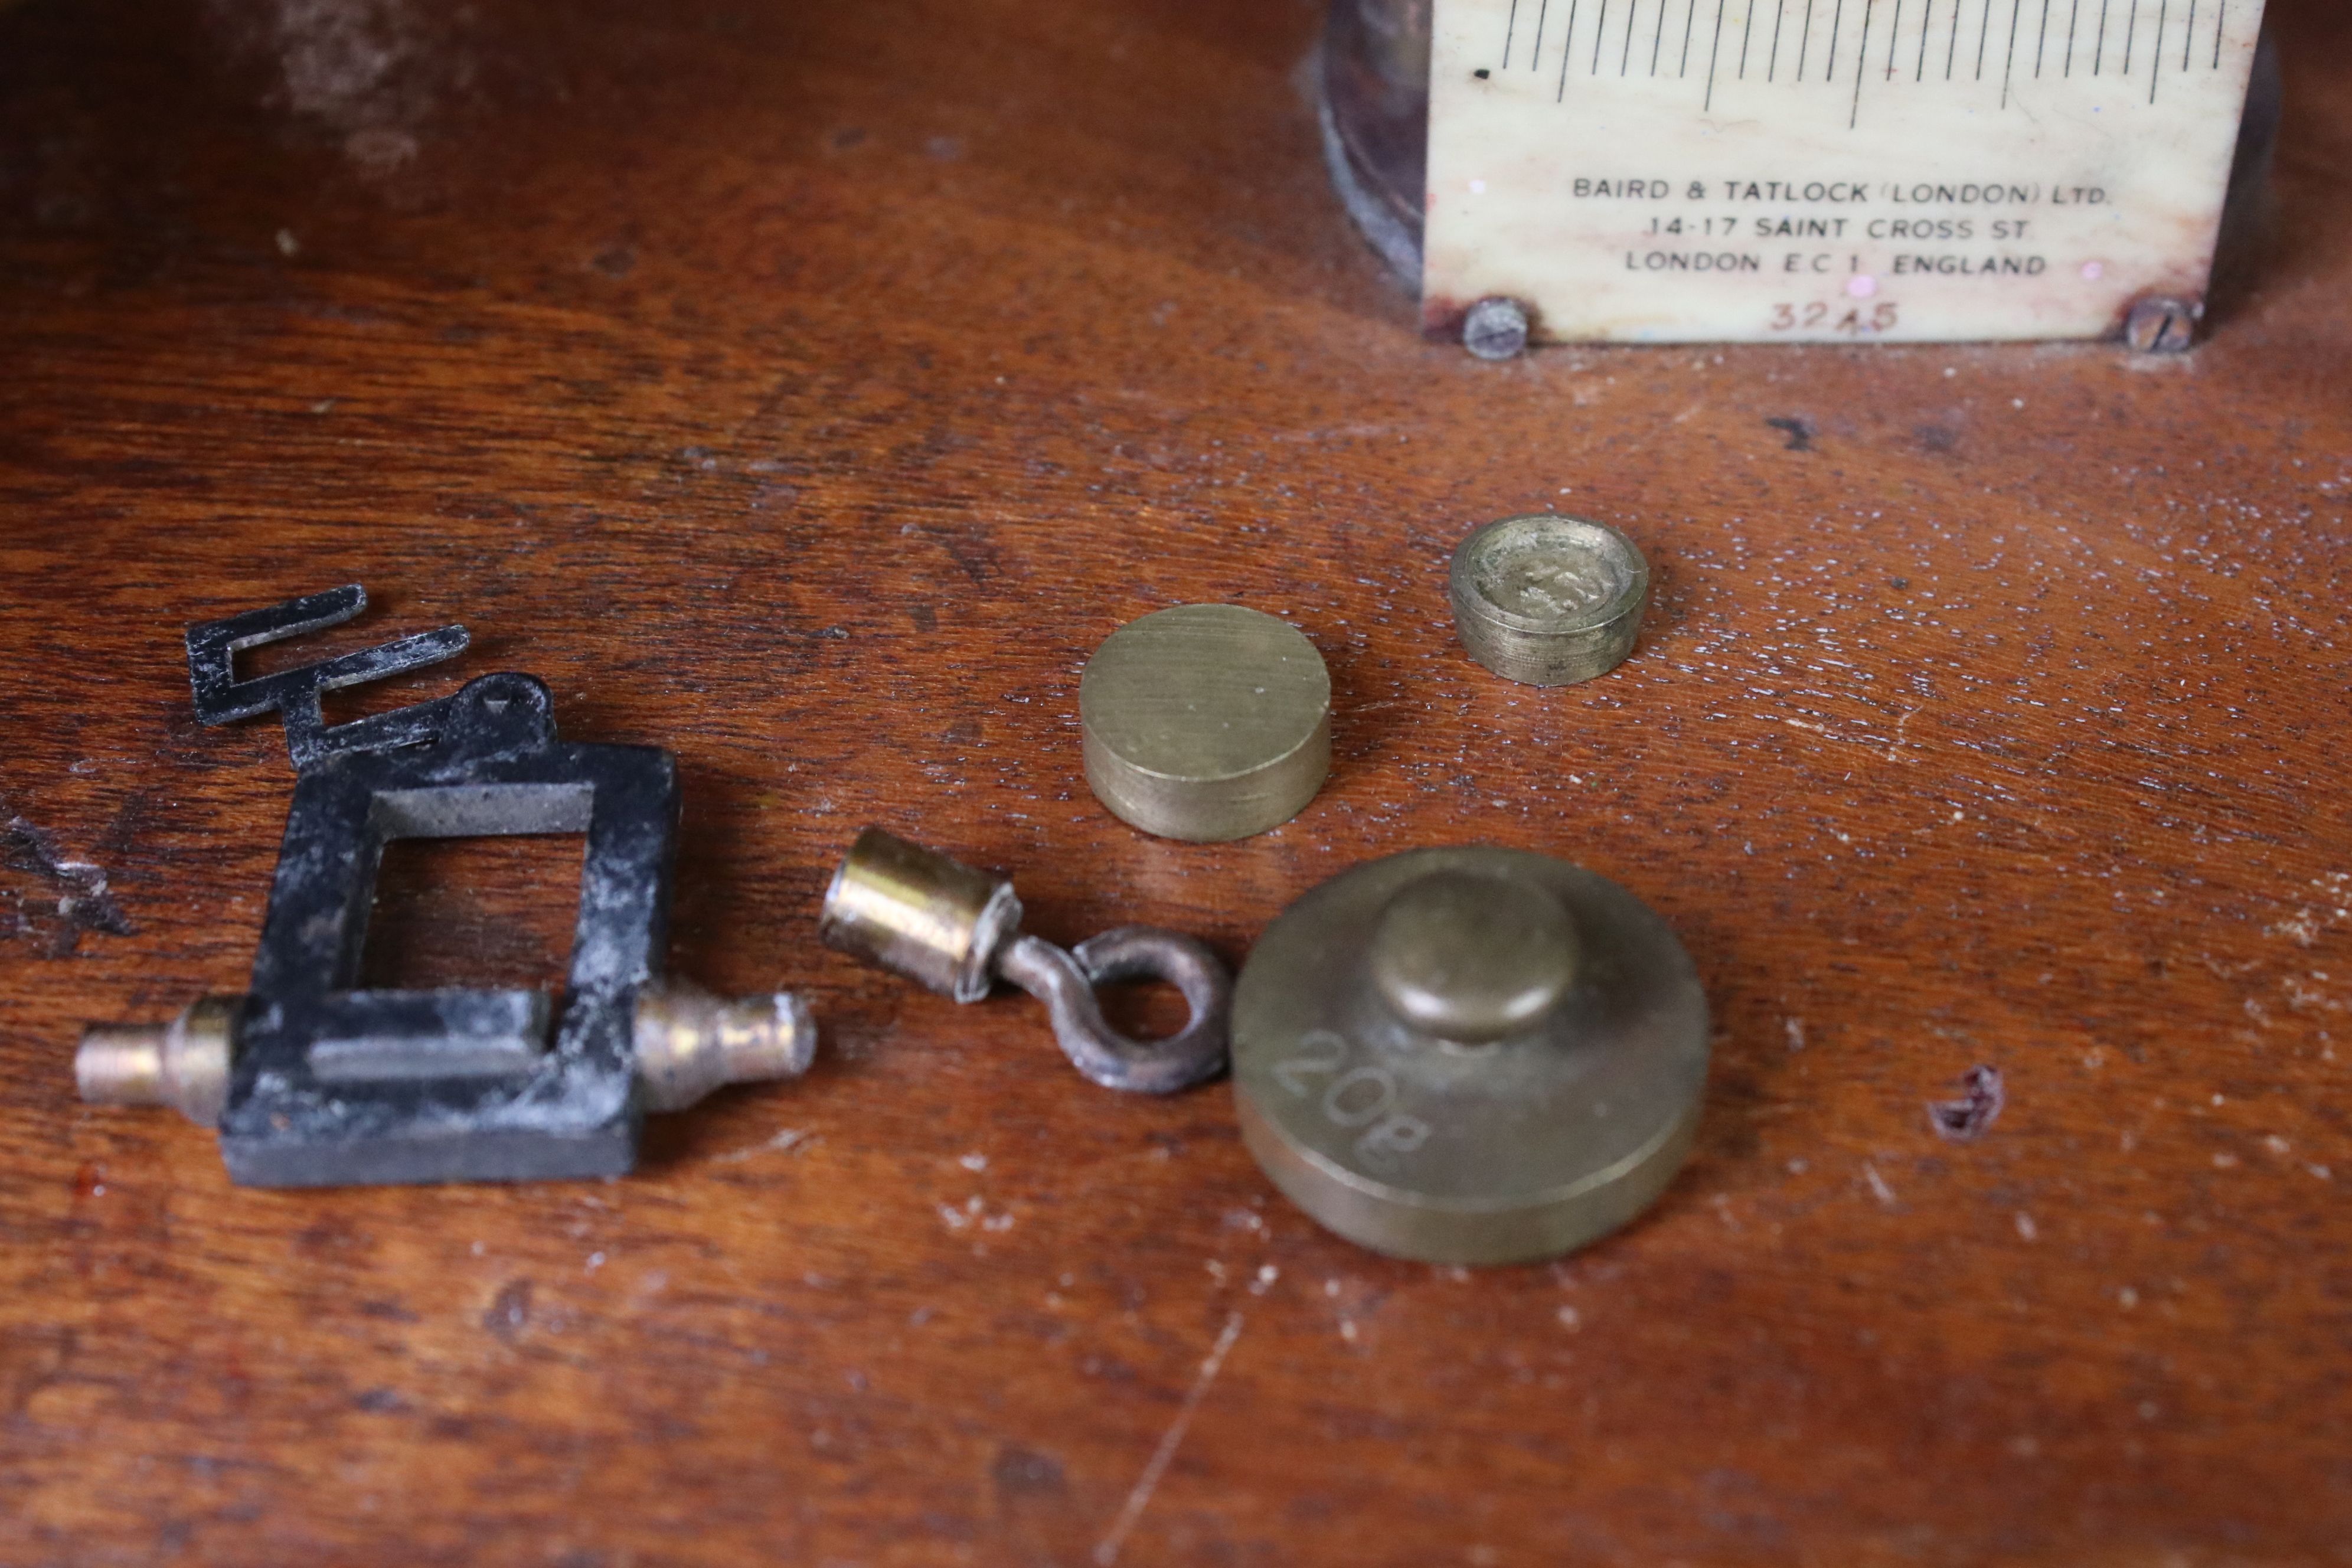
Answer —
(2032, 168)
(1855, 42)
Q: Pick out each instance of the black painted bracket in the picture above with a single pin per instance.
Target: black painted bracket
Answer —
(332, 1084)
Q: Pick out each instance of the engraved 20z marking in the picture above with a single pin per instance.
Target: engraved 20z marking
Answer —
(1353, 1098)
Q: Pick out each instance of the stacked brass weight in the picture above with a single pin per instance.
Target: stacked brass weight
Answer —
(1469, 1055)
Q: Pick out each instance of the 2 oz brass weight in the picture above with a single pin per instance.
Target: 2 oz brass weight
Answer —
(1470, 1055)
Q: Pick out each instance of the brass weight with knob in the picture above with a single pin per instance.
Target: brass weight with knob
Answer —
(1472, 1054)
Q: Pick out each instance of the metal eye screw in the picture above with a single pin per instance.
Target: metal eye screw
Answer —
(953, 929)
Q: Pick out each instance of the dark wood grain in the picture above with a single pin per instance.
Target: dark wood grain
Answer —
(808, 388)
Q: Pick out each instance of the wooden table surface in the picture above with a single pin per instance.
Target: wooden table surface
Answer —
(808, 389)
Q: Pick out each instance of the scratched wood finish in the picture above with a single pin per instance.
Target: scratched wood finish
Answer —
(808, 388)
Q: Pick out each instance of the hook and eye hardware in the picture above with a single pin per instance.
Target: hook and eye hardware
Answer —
(956, 930)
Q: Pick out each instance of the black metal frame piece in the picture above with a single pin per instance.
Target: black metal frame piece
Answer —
(330, 1084)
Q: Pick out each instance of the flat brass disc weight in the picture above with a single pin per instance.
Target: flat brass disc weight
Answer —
(1206, 722)
(1469, 1055)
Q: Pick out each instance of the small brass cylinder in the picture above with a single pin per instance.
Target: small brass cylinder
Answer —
(1548, 600)
(182, 1064)
(1206, 722)
(917, 914)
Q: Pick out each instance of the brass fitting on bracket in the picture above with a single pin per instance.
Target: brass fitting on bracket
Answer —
(182, 1064)
(691, 1043)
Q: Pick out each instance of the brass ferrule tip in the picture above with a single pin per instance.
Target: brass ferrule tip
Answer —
(183, 1064)
(121, 1064)
(915, 912)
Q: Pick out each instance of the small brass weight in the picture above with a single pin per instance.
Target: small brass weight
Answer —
(955, 931)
